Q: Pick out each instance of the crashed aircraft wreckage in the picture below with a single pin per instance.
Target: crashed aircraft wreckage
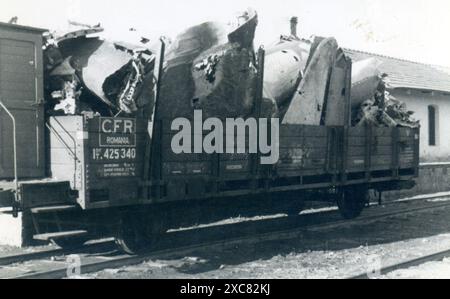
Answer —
(90, 74)
(372, 103)
(305, 77)
(212, 68)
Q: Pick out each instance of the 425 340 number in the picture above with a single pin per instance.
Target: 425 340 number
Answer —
(113, 153)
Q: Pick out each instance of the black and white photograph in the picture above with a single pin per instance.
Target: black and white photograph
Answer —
(224, 141)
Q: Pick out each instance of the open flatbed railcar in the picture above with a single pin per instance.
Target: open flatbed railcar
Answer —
(96, 188)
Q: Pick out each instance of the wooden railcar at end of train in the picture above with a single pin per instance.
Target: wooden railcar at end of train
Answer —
(85, 177)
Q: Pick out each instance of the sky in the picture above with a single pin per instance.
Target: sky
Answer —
(416, 30)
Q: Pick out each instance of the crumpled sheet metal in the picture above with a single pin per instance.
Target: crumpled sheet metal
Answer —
(366, 76)
(232, 93)
(178, 86)
(285, 73)
(212, 70)
(93, 61)
(63, 69)
(189, 44)
(371, 100)
(308, 103)
(285, 63)
(336, 113)
(80, 33)
(383, 110)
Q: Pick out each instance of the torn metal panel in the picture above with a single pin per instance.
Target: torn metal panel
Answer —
(337, 100)
(193, 41)
(232, 92)
(307, 105)
(366, 77)
(244, 34)
(79, 33)
(63, 69)
(178, 87)
(383, 110)
(212, 70)
(285, 64)
(97, 62)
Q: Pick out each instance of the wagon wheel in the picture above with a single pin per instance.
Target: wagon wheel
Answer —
(351, 201)
(137, 233)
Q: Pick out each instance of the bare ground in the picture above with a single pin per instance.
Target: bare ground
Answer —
(319, 253)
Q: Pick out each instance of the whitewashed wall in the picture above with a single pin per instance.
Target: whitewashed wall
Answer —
(418, 102)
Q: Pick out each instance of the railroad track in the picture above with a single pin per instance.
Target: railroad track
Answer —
(434, 257)
(23, 257)
(17, 258)
(99, 261)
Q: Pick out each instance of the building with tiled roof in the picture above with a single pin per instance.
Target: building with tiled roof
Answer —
(426, 91)
(408, 74)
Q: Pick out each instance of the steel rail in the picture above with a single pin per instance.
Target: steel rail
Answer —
(41, 254)
(438, 256)
(126, 260)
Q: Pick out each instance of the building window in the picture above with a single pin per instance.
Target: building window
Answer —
(433, 125)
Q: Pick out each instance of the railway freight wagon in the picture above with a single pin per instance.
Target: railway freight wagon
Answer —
(80, 177)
